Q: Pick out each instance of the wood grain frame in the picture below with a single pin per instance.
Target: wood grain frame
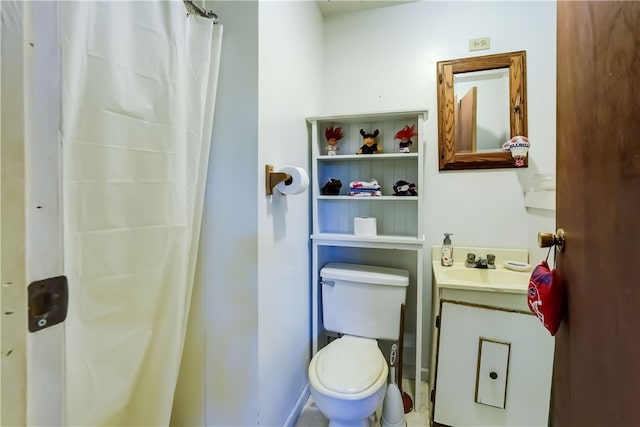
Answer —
(448, 159)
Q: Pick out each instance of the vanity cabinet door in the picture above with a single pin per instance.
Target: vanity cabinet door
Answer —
(510, 349)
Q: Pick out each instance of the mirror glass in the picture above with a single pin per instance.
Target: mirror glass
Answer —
(481, 105)
(482, 100)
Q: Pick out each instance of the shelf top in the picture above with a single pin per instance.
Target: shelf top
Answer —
(348, 197)
(383, 115)
(368, 156)
(344, 237)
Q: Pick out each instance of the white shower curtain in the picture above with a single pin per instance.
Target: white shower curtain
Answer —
(138, 89)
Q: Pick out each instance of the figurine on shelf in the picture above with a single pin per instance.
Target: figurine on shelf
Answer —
(404, 135)
(331, 188)
(370, 145)
(333, 135)
(404, 188)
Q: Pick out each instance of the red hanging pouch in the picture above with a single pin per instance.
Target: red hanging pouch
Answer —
(545, 296)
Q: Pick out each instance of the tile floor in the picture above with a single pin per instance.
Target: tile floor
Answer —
(311, 416)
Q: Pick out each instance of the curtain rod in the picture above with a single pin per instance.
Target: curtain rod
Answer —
(202, 11)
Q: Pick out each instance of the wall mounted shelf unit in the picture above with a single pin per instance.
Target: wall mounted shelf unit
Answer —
(400, 234)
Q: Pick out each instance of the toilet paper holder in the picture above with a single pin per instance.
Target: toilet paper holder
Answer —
(272, 178)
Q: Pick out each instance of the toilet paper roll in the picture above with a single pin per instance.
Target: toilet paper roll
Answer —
(299, 180)
(365, 226)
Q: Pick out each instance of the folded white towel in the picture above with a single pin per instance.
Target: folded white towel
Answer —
(365, 193)
(371, 185)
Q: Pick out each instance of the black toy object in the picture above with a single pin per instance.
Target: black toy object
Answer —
(331, 188)
(404, 188)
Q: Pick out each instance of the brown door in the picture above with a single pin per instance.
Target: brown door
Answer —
(597, 362)
(466, 122)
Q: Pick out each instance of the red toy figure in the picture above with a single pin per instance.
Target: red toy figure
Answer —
(333, 135)
(404, 135)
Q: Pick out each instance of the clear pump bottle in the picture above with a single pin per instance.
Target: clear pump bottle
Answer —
(446, 257)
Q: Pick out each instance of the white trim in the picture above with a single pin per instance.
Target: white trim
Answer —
(295, 412)
(45, 349)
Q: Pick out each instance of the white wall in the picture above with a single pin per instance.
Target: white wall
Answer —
(248, 347)
(13, 291)
(218, 382)
(290, 39)
(230, 235)
(385, 59)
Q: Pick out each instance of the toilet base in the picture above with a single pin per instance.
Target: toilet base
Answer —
(349, 413)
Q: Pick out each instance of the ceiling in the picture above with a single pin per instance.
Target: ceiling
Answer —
(331, 7)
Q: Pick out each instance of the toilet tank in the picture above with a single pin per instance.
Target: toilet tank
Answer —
(363, 300)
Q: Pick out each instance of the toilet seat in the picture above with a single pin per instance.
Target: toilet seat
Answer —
(349, 366)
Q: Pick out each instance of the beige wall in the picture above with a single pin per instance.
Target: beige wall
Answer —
(12, 222)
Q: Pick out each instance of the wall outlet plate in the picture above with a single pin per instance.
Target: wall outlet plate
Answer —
(481, 43)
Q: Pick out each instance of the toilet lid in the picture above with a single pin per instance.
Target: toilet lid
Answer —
(350, 365)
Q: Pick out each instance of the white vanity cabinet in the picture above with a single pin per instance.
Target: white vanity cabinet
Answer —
(492, 359)
(399, 238)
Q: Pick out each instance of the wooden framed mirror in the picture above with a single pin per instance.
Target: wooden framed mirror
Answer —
(482, 103)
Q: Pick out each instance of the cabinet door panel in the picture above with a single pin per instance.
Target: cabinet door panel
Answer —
(529, 373)
(493, 370)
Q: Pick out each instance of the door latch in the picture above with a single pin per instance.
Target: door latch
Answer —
(48, 302)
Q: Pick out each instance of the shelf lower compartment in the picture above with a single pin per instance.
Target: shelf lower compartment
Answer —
(395, 217)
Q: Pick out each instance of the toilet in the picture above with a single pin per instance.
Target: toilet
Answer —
(348, 377)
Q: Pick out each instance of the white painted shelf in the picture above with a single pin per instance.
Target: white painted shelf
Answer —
(540, 200)
(400, 233)
(367, 157)
(379, 239)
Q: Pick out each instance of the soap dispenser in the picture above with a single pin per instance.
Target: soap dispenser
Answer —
(446, 258)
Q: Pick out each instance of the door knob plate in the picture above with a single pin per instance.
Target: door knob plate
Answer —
(558, 240)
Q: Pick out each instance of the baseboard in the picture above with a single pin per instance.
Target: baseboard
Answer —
(409, 371)
(297, 407)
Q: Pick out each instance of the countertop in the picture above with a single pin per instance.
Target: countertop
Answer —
(499, 279)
